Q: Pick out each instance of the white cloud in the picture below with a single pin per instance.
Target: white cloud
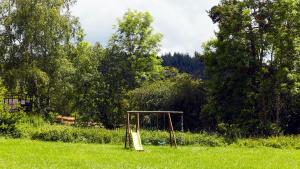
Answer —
(184, 23)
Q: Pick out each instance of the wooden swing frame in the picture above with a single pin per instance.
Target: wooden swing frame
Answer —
(172, 138)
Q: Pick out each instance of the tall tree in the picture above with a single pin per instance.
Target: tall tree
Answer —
(249, 63)
(131, 59)
(35, 38)
(88, 83)
(136, 40)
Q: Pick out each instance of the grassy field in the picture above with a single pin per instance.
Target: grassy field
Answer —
(28, 154)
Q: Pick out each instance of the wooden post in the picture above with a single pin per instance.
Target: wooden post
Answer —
(157, 125)
(182, 123)
(172, 135)
(129, 129)
(170, 138)
(171, 142)
(164, 121)
(126, 135)
(127, 139)
(137, 122)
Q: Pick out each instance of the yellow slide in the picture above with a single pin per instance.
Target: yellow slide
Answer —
(137, 142)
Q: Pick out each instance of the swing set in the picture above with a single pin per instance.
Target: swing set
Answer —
(135, 135)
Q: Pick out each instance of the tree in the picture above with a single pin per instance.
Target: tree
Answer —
(184, 63)
(34, 45)
(136, 41)
(88, 84)
(249, 64)
(131, 59)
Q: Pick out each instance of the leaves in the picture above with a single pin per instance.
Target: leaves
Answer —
(252, 62)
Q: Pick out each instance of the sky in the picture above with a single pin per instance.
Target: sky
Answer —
(185, 24)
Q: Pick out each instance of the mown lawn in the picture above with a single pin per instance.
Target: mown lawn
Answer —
(28, 154)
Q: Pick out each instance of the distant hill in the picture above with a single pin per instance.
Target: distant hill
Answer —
(184, 63)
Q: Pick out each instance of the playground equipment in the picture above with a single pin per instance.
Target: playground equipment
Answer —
(135, 136)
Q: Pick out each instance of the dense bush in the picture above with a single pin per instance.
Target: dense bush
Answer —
(8, 120)
(181, 93)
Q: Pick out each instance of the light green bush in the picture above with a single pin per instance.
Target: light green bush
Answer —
(8, 120)
(62, 133)
(274, 142)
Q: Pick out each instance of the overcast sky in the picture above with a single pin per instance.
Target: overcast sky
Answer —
(185, 24)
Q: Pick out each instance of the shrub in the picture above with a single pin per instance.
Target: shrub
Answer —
(273, 142)
(33, 120)
(8, 122)
(102, 136)
(62, 133)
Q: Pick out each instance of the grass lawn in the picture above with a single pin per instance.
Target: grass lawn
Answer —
(28, 154)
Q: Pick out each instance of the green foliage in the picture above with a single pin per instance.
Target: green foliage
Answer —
(8, 123)
(8, 120)
(184, 63)
(131, 58)
(46, 132)
(34, 120)
(251, 71)
(34, 45)
(43, 57)
(135, 38)
(88, 84)
(154, 96)
(274, 142)
(132, 50)
(181, 93)
(71, 134)
(2, 94)
(61, 133)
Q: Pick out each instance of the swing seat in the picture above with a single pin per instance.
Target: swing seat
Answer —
(137, 142)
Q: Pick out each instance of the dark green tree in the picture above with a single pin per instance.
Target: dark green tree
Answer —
(184, 63)
(88, 83)
(251, 65)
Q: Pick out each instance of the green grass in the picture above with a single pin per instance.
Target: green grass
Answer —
(28, 154)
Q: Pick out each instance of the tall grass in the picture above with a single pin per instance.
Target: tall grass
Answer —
(35, 128)
(274, 142)
(47, 132)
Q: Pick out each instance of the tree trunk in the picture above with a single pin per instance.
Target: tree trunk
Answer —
(278, 108)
